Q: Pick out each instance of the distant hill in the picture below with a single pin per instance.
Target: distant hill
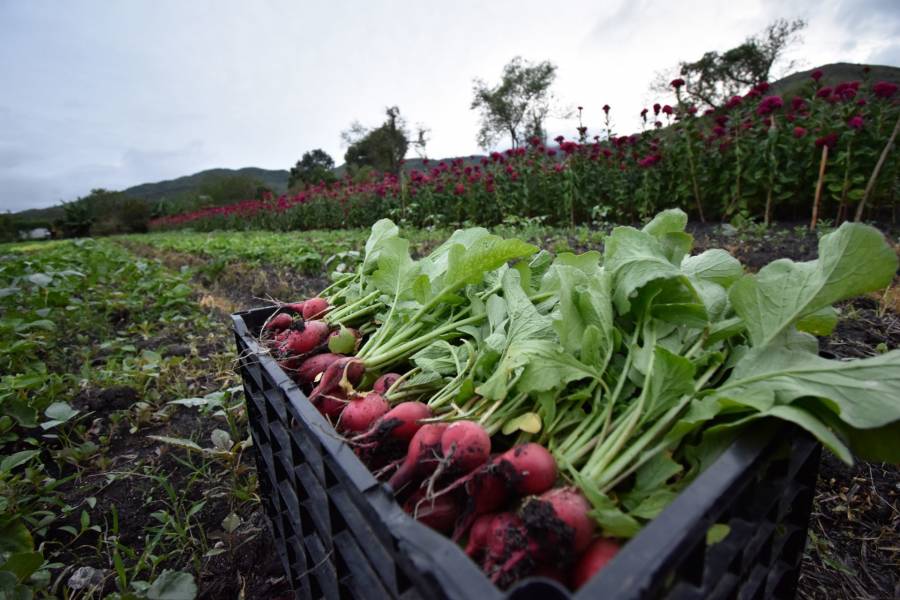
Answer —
(170, 188)
(277, 180)
(832, 74)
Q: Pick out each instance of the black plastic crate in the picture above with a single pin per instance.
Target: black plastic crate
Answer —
(340, 534)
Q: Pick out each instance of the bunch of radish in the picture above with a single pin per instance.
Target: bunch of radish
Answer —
(504, 508)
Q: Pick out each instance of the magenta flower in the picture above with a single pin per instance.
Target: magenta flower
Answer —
(884, 89)
(798, 104)
(459, 189)
(568, 147)
(799, 132)
(768, 105)
(829, 140)
(816, 75)
(847, 90)
(559, 139)
(734, 102)
(855, 122)
(649, 161)
(667, 110)
(656, 108)
(825, 92)
(677, 83)
(606, 108)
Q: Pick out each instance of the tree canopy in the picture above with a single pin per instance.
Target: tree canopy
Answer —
(717, 76)
(518, 105)
(314, 166)
(381, 148)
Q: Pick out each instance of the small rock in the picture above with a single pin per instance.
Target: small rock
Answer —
(85, 577)
(729, 230)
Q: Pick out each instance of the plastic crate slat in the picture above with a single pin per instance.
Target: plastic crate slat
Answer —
(363, 579)
(298, 567)
(753, 584)
(724, 588)
(322, 566)
(384, 562)
(316, 504)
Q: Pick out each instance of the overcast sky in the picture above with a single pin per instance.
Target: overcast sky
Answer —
(112, 94)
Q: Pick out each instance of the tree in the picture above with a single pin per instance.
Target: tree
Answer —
(518, 105)
(716, 77)
(315, 166)
(381, 148)
(77, 218)
(219, 190)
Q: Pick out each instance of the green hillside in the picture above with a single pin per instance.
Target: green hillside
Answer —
(832, 74)
(275, 179)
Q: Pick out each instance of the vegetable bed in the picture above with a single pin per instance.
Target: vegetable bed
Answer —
(603, 391)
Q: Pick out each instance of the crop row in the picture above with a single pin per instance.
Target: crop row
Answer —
(87, 363)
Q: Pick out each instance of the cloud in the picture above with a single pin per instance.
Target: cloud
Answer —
(112, 95)
(24, 188)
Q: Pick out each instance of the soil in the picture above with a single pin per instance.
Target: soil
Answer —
(853, 549)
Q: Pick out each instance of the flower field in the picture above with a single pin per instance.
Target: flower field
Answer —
(814, 154)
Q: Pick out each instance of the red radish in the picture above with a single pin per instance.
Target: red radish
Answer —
(438, 513)
(485, 493)
(507, 535)
(315, 365)
(479, 535)
(600, 552)
(362, 411)
(307, 339)
(315, 307)
(279, 322)
(278, 339)
(512, 553)
(561, 519)
(422, 456)
(531, 468)
(296, 307)
(400, 423)
(345, 367)
(291, 364)
(525, 469)
(333, 404)
(383, 383)
(465, 445)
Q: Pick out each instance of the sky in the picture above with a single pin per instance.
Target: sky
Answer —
(113, 94)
